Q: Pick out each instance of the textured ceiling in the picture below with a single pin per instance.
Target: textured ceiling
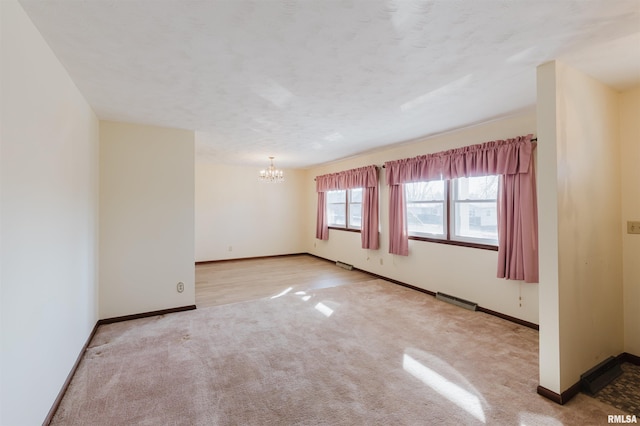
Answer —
(312, 81)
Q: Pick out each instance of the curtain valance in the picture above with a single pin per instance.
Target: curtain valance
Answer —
(362, 177)
(502, 157)
(512, 160)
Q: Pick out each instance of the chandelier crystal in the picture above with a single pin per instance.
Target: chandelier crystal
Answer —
(271, 174)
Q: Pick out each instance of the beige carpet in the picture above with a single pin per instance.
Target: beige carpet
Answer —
(370, 353)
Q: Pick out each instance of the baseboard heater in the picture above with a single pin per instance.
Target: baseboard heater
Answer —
(600, 375)
(344, 265)
(457, 301)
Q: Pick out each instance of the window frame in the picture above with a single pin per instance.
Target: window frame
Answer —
(449, 216)
(454, 184)
(347, 203)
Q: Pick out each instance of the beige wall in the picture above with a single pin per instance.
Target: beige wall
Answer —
(460, 271)
(630, 155)
(237, 216)
(146, 218)
(549, 308)
(49, 213)
(588, 287)
(591, 324)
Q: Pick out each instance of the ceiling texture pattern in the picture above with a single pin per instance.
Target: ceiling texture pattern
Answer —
(312, 81)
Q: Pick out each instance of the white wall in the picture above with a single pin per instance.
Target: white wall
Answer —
(630, 159)
(460, 271)
(49, 208)
(237, 216)
(146, 218)
(588, 288)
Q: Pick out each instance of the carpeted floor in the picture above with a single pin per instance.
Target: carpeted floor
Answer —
(370, 353)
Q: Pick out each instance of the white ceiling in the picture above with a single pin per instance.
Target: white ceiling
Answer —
(311, 81)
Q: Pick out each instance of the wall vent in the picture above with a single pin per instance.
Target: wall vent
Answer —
(344, 265)
(457, 301)
(600, 375)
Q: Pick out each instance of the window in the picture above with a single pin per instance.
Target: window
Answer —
(344, 208)
(474, 205)
(460, 210)
(426, 209)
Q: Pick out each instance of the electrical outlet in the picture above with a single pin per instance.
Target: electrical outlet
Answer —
(381, 261)
(230, 248)
(633, 227)
(180, 287)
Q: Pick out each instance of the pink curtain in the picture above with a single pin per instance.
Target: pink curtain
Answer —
(370, 220)
(518, 227)
(517, 219)
(363, 177)
(322, 229)
(398, 235)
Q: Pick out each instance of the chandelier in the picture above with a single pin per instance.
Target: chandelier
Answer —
(271, 174)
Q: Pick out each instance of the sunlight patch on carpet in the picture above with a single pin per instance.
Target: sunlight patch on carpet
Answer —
(303, 294)
(282, 293)
(454, 393)
(324, 309)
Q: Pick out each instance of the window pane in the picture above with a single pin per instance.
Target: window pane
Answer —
(336, 214)
(336, 196)
(355, 195)
(476, 220)
(425, 208)
(425, 218)
(477, 188)
(424, 191)
(355, 208)
(355, 215)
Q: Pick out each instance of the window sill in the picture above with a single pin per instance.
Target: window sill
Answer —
(345, 229)
(456, 243)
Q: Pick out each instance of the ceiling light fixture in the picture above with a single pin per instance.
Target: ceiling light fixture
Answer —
(271, 174)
